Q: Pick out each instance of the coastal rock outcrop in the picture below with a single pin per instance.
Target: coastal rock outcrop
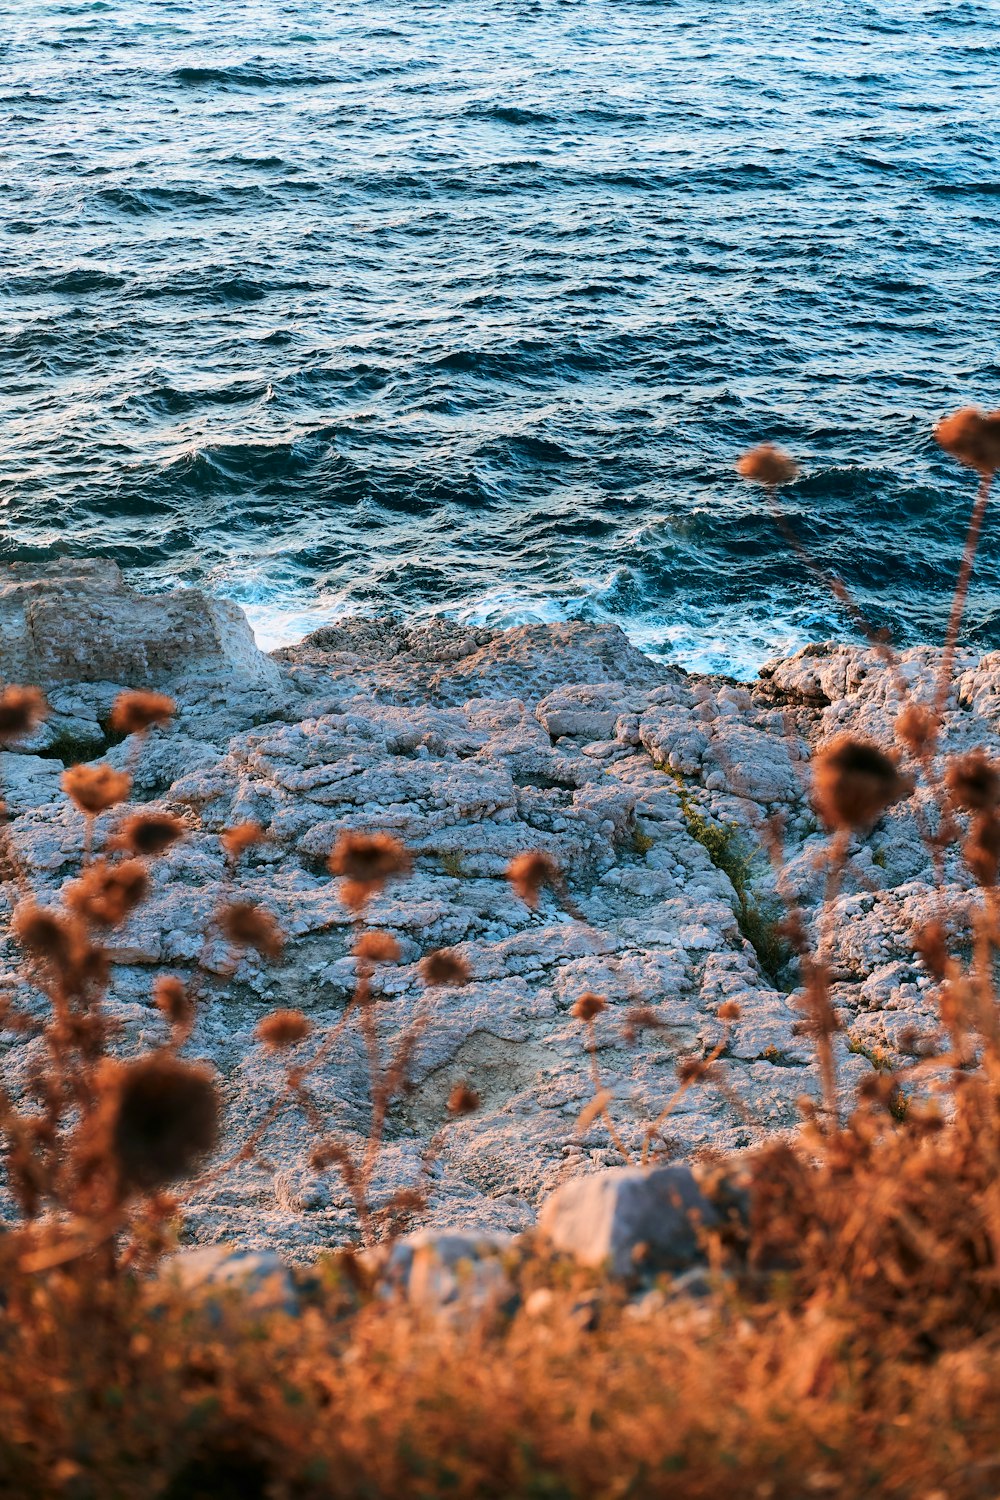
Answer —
(76, 620)
(659, 795)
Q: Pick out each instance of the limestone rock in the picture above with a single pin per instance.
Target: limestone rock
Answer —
(76, 620)
(629, 1219)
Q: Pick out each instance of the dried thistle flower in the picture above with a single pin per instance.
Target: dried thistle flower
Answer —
(365, 862)
(691, 1069)
(149, 833)
(444, 967)
(529, 872)
(106, 893)
(973, 437)
(96, 788)
(854, 783)
(587, 1006)
(282, 1028)
(639, 1018)
(135, 712)
(768, 464)
(982, 849)
(247, 925)
(931, 942)
(22, 709)
(48, 935)
(241, 837)
(974, 782)
(170, 995)
(377, 948)
(463, 1100)
(917, 726)
(165, 1119)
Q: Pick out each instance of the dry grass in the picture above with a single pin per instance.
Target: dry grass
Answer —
(851, 1344)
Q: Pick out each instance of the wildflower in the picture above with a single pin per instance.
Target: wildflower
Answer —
(974, 782)
(973, 437)
(282, 1028)
(241, 837)
(365, 861)
(528, 873)
(463, 1100)
(149, 833)
(587, 1006)
(96, 788)
(165, 1119)
(982, 849)
(377, 947)
(172, 1000)
(444, 967)
(917, 727)
(768, 464)
(854, 783)
(22, 709)
(105, 894)
(134, 713)
(729, 1010)
(249, 926)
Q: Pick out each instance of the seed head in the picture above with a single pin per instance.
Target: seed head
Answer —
(854, 783)
(377, 948)
(639, 1018)
(917, 727)
(365, 861)
(528, 873)
(973, 437)
(106, 894)
(982, 849)
(463, 1100)
(587, 1006)
(238, 839)
(134, 713)
(729, 1010)
(149, 833)
(444, 967)
(768, 464)
(974, 782)
(165, 1119)
(172, 1000)
(47, 935)
(249, 926)
(22, 709)
(96, 788)
(282, 1028)
(931, 942)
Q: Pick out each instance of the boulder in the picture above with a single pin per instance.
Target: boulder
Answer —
(76, 620)
(630, 1219)
(217, 1272)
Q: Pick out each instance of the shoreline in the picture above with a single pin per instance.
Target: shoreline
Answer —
(650, 789)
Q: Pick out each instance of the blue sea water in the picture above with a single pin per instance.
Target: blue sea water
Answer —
(469, 305)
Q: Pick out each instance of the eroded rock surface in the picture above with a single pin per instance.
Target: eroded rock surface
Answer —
(652, 790)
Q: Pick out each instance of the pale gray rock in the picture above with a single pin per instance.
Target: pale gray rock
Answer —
(76, 620)
(629, 1220)
(259, 1282)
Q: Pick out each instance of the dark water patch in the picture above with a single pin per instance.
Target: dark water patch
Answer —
(474, 310)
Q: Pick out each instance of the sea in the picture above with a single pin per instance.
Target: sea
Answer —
(469, 306)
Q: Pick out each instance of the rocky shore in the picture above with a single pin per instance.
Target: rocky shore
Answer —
(651, 788)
